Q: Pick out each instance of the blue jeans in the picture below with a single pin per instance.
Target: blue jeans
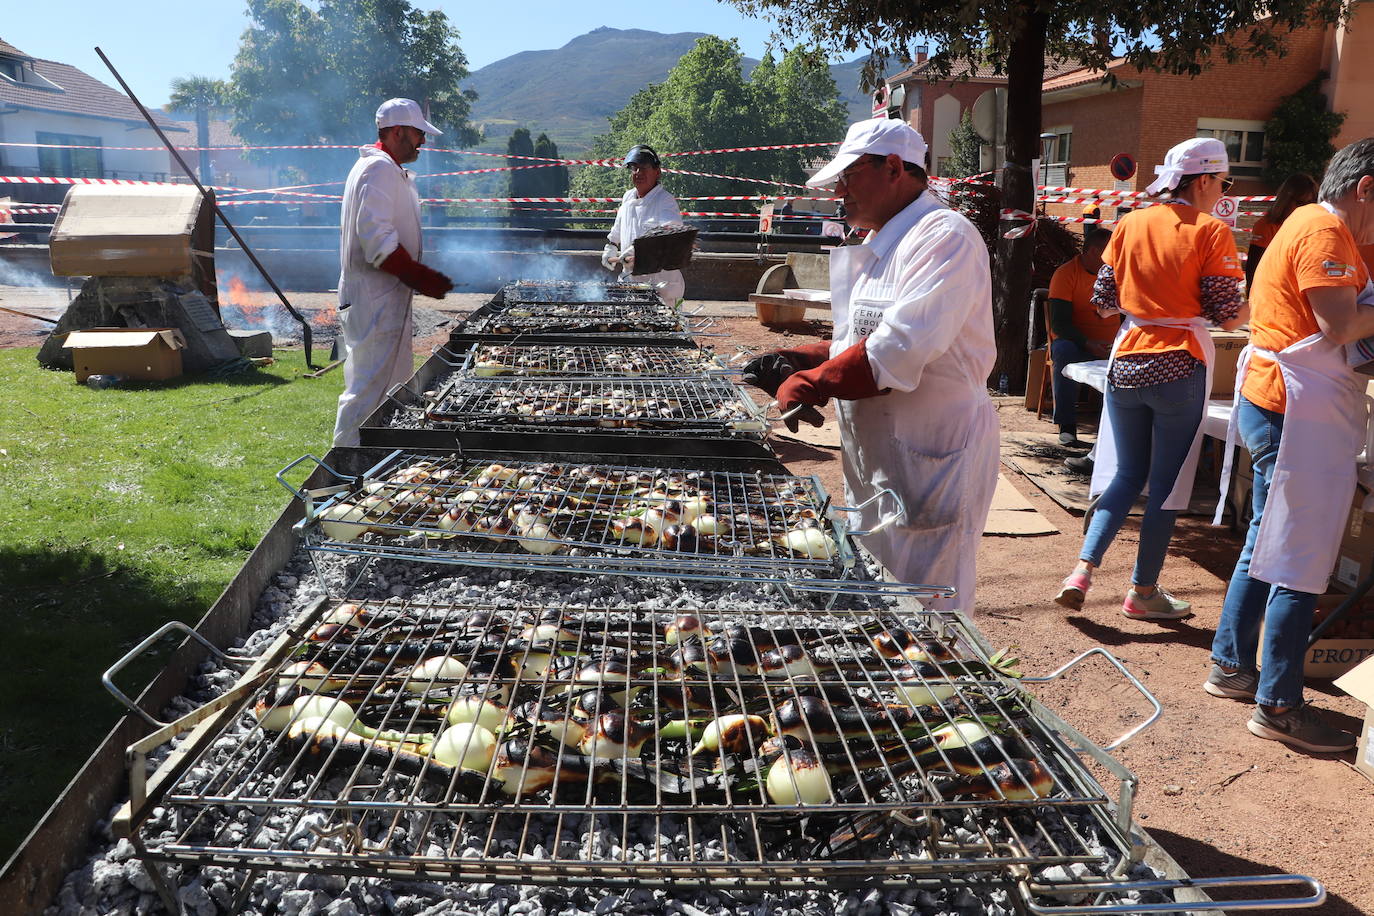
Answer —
(1063, 353)
(1286, 614)
(1153, 428)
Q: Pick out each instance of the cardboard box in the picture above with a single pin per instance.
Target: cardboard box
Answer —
(1228, 345)
(1333, 656)
(1359, 683)
(1356, 553)
(1344, 648)
(131, 231)
(145, 354)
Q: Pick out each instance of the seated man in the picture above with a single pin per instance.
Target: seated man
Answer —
(1077, 333)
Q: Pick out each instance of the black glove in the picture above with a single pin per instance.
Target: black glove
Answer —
(808, 413)
(768, 371)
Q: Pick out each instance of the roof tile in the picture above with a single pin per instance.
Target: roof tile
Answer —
(78, 94)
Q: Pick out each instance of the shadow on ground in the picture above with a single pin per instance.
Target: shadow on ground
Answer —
(68, 614)
(1200, 860)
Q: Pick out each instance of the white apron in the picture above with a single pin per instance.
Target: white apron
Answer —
(935, 448)
(636, 216)
(1106, 462)
(380, 210)
(1314, 475)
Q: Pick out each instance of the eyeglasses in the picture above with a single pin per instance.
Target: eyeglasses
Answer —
(1227, 182)
(844, 175)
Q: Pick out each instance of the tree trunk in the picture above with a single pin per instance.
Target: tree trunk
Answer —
(1011, 279)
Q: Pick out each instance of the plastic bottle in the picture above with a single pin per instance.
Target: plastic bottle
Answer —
(1002, 383)
(102, 381)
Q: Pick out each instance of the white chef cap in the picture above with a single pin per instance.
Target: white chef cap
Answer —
(1199, 156)
(879, 136)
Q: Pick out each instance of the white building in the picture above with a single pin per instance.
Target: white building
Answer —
(63, 109)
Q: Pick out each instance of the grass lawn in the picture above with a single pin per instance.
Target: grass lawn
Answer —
(123, 509)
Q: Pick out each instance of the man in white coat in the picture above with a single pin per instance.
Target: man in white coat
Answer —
(645, 206)
(379, 247)
(913, 345)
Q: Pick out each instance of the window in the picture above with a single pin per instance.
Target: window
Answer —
(1244, 142)
(1056, 149)
(70, 163)
(12, 69)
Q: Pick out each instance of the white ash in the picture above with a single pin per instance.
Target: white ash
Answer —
(114, 880)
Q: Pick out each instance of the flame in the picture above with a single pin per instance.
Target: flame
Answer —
(326, 317)
(250, 310)
(241, 307)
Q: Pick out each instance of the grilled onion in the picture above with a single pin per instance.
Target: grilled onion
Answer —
(797, 777)
(466, 745)
(737, 734)
(341, 522)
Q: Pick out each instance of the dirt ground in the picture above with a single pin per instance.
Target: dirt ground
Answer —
(1220, 801)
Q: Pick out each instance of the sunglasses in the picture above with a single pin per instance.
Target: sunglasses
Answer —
(1227, 183)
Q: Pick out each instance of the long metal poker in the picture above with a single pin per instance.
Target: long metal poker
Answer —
(305, 325)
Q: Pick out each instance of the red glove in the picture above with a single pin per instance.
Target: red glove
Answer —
(808, 356)
(424, 280)
(847, 376)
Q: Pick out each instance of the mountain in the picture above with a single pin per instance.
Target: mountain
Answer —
(570, 92)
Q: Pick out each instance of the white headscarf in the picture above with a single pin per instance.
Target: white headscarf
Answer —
(1199, 156)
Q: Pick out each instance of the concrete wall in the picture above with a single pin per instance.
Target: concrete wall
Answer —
(22, 126)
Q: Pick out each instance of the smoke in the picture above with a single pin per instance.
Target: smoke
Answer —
(40, 292)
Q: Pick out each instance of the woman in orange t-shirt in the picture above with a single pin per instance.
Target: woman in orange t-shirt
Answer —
(1296, 191)
(1300, 414)
(1169, 268)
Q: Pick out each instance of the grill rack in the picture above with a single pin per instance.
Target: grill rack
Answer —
(693, 406)
(584, 362)
(593, 320)
(583, 504)
(403, 827)
(582, 292)
(360, 814)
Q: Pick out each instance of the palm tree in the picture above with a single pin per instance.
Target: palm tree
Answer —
(200, 94)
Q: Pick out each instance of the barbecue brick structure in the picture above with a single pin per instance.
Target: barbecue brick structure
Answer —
(1148, 112)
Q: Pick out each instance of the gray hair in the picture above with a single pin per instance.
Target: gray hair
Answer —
(1346, 169)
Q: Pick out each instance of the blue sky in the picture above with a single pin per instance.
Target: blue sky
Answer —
(153, 42)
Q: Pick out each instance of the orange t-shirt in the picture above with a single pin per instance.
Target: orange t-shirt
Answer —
(1313, 248)
(1074, 285)
(1160, 255)
(1262, 233)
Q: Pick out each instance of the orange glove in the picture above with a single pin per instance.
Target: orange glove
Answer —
(424, 280)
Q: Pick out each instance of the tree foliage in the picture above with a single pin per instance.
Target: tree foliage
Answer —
(200, 94)
(966, 147)
(706, 103)
(315, 73)
(1014, 37)
(1297, 137)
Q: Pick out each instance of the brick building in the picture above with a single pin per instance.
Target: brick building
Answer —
(1085, 121)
